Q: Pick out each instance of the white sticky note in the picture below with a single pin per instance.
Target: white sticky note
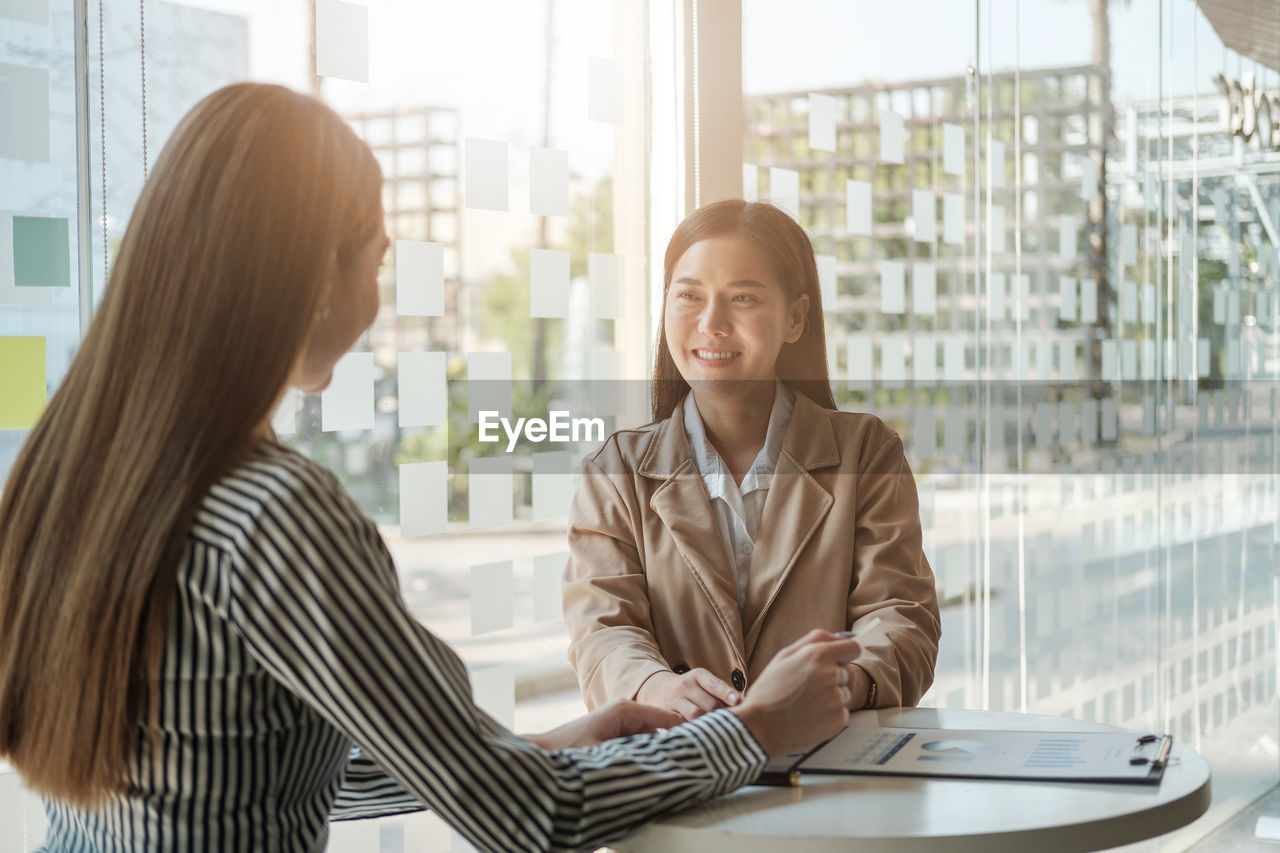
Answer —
(486, 174)
(1110, 367)
(1022, 295)
(822, 122)
(857, 207)
(1067, 237)
(1043, 425)
(1129, 244)
(422, 389)
(491, 597)
(548, 182)
(548, 569)
(1186, 359)
(1088, 300)
(893, 360)
(548, 283)
(892, 137)
(419, 279)
(953, 219)
(1129, 302)
(1110, 422)
(424, 499)
(1067, 361)
(953, 359)
(348, 401)
(952, 149)
(1068, 423)
(924, 359)
(602, 90)
(860, 367)
(750, 182)
(995, 163)
(488, 383)
(494, 690)
(1202, 358)
(552, 485)
(826, 280)
(893, 298)
(924, 288)
(924, 210)
(31, 11)
(997, 228)
(1148, 359)
(1067, 299)
(1020, 357)
(784, 190)
(995, 295)
(1148, 303)
(1088, 179)
(490, 490)
(1128, 360)
(604, 271)
(342, 40)
(1089, 420)
(1044, 359)
(955, 432)
(924, 434)
(24, 93)
(833, 358)
(284, 421)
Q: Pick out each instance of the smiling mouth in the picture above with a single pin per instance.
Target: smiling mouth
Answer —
(718, 355)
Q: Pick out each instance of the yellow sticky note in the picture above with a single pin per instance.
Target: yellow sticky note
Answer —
(22, 382)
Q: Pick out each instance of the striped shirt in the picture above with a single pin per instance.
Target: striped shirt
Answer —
(296, 689)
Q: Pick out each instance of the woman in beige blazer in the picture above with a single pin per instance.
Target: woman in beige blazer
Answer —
(751, 510)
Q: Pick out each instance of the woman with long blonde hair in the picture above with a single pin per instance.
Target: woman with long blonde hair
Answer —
(202, 641)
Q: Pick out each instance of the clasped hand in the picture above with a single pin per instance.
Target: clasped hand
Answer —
(801, 698)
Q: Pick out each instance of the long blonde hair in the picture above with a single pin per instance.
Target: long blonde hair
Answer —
(257, 201)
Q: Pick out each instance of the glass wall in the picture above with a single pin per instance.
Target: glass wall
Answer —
(40, 258)
(1053, 268)
(1049, 260)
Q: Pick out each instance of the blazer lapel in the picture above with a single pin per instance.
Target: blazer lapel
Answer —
(681, 502)
(793, 511)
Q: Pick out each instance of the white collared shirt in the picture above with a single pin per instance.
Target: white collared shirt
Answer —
(737, 510)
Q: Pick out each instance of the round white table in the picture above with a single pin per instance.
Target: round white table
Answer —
(905, 814)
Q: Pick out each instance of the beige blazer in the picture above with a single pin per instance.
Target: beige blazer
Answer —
(650, 587)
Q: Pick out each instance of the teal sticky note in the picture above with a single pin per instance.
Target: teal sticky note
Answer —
(41, 252)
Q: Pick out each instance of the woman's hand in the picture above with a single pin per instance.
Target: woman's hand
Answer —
(803, 695)
(690, 695)
(859, 686)
(615, 719)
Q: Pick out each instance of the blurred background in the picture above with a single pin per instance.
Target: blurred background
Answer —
(1047, 236)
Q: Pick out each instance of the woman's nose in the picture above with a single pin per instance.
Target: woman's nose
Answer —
(714, 319)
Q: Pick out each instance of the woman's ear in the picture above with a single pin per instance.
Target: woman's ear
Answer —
(797, 316)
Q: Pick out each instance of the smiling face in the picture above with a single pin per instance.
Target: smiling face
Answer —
(727, 316)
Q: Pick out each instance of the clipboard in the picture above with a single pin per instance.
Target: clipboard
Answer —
(1123, 757)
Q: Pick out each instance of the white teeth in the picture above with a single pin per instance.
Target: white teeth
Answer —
(715, 356)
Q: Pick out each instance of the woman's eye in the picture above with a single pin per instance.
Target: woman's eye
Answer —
(686, 295)
(746, 298)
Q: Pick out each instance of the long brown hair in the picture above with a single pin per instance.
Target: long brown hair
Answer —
(801, 365)
(252, 208)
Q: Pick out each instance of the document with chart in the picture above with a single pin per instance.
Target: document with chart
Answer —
(1078, 756)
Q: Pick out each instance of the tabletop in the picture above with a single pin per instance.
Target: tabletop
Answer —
(900, 814)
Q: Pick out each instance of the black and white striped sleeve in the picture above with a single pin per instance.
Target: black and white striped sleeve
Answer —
(315, 599)
(367, 791)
